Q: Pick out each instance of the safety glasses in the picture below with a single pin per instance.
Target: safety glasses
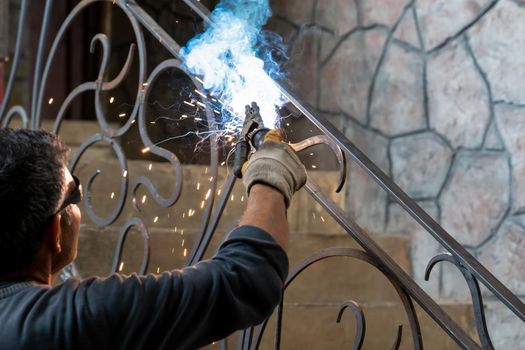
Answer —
(74, 197)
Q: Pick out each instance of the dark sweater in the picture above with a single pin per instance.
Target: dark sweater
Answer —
(182, 309)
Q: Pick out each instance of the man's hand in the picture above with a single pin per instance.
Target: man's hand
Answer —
(275, 164)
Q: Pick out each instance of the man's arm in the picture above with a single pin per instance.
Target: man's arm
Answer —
(271, 177)
(266, 209)
(239, 287)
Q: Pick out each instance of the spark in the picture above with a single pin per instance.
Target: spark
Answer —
(312, 153)
(200, 93)
(198, 186)
(50, 100)
(125, 173)
(158, 269)
(150, 166)
(112, 195)
(185, 252)
(121, 266)
(175, 229)
(111, 99)
(201, 104)
(242, 199)
(232, 197)
(121, 115)
(219, 192)
(143, 199)
(207, 195)
(225, 57)
(145, 150)
(314, 166)
(322, 219)
(199, 80)
(197, 133)
(156, 219)
(202, 204)
(182, 245)
(206, 171)
(189, 103)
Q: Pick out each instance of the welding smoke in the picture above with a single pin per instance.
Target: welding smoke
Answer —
(232, 59)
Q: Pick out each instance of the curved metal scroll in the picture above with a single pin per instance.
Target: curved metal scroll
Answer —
(320, 140)
(355, 254)
(475, 293)
(122, 239)
(360, 327)
(16, 110)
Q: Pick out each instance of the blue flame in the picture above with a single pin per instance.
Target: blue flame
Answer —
(233, 59)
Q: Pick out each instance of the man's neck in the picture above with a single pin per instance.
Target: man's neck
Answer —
(39, 272)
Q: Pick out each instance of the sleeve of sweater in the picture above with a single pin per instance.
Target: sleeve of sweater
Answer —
(188, 308)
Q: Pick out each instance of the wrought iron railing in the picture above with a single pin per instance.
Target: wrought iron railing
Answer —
(372, 254)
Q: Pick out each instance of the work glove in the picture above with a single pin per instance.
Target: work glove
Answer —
(275, 164)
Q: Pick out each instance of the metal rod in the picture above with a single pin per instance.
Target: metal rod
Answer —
(18, 45)
(152, 26)
(35, 120)
(204, 240)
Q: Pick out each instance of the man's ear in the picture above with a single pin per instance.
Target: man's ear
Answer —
(53, 235)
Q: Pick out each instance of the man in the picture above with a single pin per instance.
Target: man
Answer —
(182, 309)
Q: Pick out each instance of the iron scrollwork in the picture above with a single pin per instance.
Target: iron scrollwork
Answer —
(475, 292)
(373, 255)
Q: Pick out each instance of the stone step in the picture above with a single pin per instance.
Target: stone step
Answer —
(328, 280)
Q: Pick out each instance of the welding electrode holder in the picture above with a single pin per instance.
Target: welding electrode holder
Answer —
(243, 147)
(252, 132)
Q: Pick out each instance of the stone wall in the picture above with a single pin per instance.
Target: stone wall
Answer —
(434, 93)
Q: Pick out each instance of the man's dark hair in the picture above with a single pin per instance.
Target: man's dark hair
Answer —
(31, 182)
